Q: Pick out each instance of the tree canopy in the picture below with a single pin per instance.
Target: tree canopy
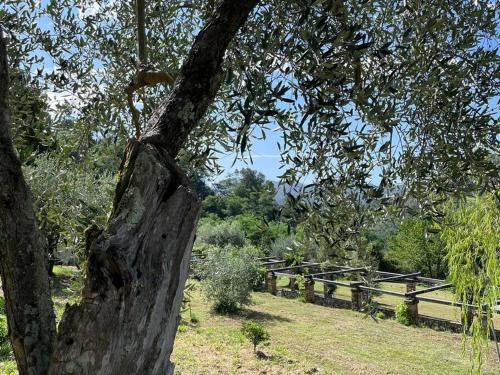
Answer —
(363, 94)
(378, 104)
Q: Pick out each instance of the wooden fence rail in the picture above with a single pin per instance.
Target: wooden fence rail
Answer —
(361, 291)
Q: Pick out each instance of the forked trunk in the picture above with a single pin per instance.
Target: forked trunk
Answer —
(137, 267)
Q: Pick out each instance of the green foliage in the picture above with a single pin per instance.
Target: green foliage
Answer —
(415, 246)
(293, 258)
(68, 197)
(244, 192)
(471, 231)
(246, 199)
(401, 314)
(5, 347)
(221, 234)
(301, 287)
(255, 332)
(228, 276)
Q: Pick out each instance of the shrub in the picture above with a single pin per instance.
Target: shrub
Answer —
(401, 314)
(228, 276)
(281, 246)
(301, 287)
(222, 234)
(293, 258)
(255, 332)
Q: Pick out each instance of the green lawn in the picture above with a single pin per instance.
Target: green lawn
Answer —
(305, 339)
(308, 338)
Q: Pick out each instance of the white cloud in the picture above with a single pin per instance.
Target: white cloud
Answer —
(268, 156)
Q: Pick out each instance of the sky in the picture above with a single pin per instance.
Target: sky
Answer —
(265, 158)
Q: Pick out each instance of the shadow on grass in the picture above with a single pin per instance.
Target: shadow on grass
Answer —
(246, 313)
(263, 317)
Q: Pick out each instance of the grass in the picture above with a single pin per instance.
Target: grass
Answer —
(305, 339)
(310, 339)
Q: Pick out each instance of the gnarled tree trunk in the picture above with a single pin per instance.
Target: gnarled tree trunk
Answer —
(25, 280)
(137, 267)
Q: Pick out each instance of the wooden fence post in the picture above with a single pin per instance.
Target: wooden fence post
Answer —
(292, 283)
(411, 286)
(326, 290)
(356, 298)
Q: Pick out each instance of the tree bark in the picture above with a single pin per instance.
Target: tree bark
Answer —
(137, 268)
(23, 270)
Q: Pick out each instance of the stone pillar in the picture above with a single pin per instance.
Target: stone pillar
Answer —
(271, 283)
(326, 288)
(356, 298)
(309, 290)
(411, 286)
(412, 306)
(292, 283)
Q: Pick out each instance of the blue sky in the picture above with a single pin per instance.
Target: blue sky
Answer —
(265, 158)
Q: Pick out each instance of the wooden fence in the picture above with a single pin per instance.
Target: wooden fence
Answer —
(362, 289)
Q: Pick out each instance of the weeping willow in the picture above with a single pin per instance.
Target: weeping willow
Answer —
(471, 231)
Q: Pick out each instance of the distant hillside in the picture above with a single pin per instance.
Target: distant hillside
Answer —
(282, 190)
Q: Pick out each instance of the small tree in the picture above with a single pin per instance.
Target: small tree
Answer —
(228, 277)
(255, 332)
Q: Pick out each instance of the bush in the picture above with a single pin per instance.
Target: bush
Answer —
(401, 314)
(255, 332)
(221, 235)
(281, 246)
(228, 276)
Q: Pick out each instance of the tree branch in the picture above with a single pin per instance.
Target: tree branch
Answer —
(199, 78)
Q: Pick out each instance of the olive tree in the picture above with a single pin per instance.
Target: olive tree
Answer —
(363, 95)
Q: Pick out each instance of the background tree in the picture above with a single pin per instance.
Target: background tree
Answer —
(415, 246)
